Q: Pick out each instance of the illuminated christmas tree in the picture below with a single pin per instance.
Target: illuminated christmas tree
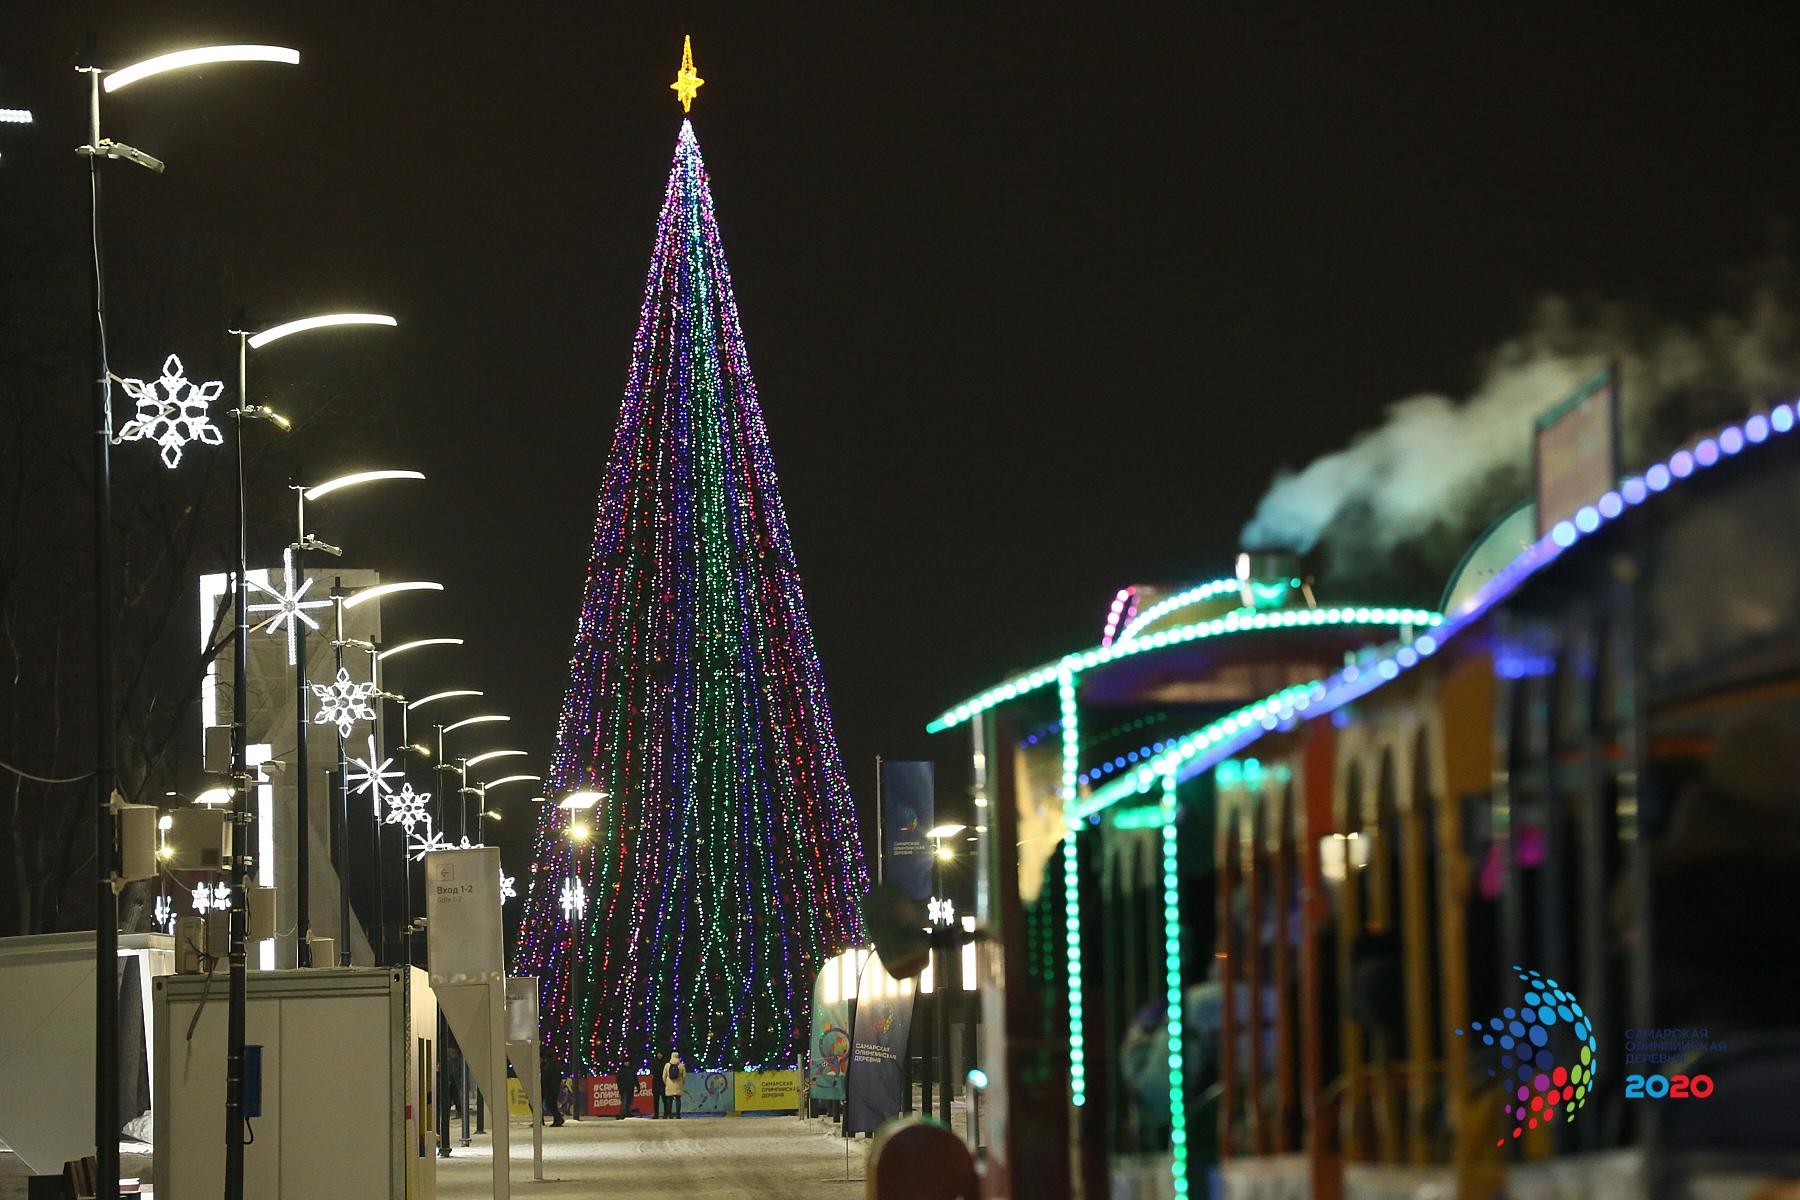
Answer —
(703, 859)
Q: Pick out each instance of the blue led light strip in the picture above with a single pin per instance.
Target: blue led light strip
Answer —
(1205, 748)
(1171, 885)
(1241, 621)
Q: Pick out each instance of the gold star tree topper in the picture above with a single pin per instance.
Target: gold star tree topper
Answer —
(687, 82)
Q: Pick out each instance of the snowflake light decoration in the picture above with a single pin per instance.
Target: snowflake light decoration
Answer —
(217, 896)
(506, 886)
(406, 808)
(343, 702)
(421, 843)
(941, 912)
(372, 776)
(172, 411)
(290, 604)
(165, 914)
(574, 899)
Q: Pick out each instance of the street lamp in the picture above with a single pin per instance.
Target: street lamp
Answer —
(424, 700)
(106, 916)
(295, 585)
(347, 717)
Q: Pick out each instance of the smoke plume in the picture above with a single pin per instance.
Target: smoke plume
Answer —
(1395, 509)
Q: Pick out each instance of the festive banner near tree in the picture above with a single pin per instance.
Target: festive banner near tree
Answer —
(708, 1092)
(718, 863)
(828, 1054)
(907, 804)
(766, 1091)
(603, 1096)
(883, 1022)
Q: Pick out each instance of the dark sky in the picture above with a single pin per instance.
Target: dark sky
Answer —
(1038, 296)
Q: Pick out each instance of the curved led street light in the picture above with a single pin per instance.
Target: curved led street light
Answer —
(389, 589)
(323, 321)
(423, 700)
(343, 481)
(200, 56)
(490, 755)
(403, 647)
(476, 721)
(494, 783)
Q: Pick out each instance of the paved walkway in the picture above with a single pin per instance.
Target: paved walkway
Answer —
(722, 1157)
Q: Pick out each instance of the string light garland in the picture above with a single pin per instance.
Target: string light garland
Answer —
(692, 907)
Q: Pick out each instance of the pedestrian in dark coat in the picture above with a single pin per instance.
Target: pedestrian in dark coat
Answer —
(550, 1077)
(656, 1092)
(627, 1089)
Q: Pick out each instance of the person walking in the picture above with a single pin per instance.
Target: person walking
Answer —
(627, 1079)
(550, 1079)
(674, 1081)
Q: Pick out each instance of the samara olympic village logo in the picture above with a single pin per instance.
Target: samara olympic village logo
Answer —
(1536, 1084)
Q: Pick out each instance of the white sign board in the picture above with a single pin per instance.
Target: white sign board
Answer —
(462, 910)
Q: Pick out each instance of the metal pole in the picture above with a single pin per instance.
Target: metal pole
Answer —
(106, 903)
(302, 753)
(405, 850)
(880, 833)
(379, 942)
(341, 852)
(240, 818)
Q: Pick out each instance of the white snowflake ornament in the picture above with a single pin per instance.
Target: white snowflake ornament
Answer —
(574, 899)
(421, 843)
(343, 702)
(165, 914)
(372, 776)
(506, 886)
(406, 808)
(205, 898)
(290, 604)
(172, 411)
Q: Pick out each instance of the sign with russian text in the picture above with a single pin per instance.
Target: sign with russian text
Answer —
(872, 1084)
(766, 1091)
(907, 812)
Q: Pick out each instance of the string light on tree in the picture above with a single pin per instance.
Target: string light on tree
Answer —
(172, 411)
(702, 801)
(343, 702)
(290, 604)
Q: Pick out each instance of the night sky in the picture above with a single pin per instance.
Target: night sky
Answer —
(1037, 296)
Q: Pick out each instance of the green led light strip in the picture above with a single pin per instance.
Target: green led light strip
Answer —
(1278, 707)
(1240, 621)
(1071, 748)
(1169, 604)
(1171, 882)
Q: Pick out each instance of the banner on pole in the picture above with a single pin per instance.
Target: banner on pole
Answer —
(874, 1077)
(828, 1053)
(907, 812)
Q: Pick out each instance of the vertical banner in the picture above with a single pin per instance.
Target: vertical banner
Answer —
(883, 1020)
(828, 1053)
(906, 814)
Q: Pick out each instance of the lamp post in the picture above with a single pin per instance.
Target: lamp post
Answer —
(945, 945)
(290, 605)
(351, 701)
(106, 918)
(407, 749)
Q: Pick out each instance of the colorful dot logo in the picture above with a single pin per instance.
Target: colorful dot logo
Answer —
(1536, 1083)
